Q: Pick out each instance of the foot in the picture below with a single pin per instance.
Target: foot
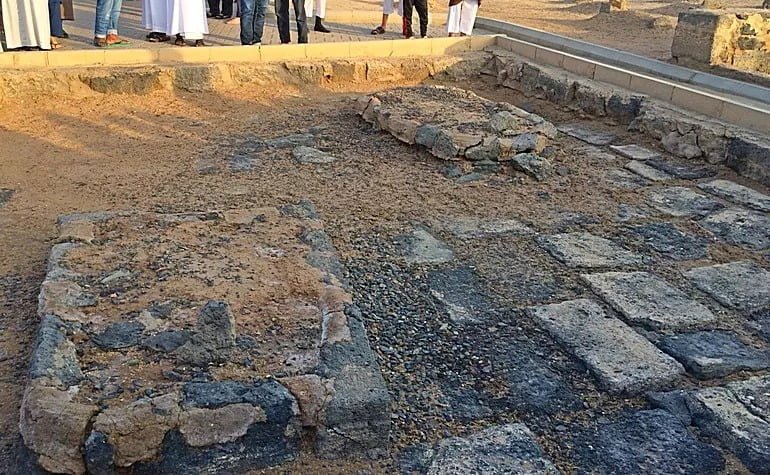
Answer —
(378, 31)
(63, 35)
(319, 26)
(179, 41)
(55, 44)
(115, 40)
(199, 43)
(219, 17)
(100, 42)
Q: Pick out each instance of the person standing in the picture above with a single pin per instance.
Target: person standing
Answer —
(106, 27)
(226, 10)
(282, 14)
(462, 17)
(26, 24)
(422, 11)
(252, 21)
(317, 9)
(155, 18)
(54, 19)
(387, 10)
(187, 20)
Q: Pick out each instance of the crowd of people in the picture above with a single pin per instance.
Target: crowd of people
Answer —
(37, 24)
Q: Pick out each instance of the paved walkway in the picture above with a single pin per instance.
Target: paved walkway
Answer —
(220, 33)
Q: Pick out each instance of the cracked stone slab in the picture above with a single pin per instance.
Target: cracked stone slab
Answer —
(721, 415)
(741, 285)
(714, 354)
(506, 449)
(644, 442)
(586, 250)
(747, 229)
(681, 201)
(619, 358)
(668, 240)
(470, 227)
(587, 134)
(421, 247)
(681, 171)
(635, 152)
(738, 194)
(647, 172)
(312, 155)
(627, 180)
(596, 153)
(647, 300)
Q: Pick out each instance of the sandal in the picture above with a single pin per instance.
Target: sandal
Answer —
(55, 44)
(199, 43)
(179, 41)
(378, 31)
(100, 42)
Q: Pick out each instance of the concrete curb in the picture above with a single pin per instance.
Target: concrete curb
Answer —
(627, 61)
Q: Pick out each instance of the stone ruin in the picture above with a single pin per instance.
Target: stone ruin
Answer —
(738, 39)
(455, 124)
(160, 353)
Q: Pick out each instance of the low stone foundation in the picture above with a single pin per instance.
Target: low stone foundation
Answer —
(199, 342)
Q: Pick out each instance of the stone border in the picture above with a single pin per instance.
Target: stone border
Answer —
(238, 54)
(682, 133)
(344, 405)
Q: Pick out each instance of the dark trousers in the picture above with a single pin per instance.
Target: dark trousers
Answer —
(422, 11)
(252, 20)
(282, 12)
(54, 16)
(227, 7)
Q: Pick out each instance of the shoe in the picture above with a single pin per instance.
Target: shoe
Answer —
(199, 43)
(64, 35)
(319, 26)
(115, 40)
(378, 31)
(100, 42)
(179, 41)
(219, 17)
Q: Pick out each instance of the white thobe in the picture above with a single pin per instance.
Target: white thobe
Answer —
(315, 8)
(26, 23)
(388, 8)
(462, 17)
(155, 15)
(188, 18)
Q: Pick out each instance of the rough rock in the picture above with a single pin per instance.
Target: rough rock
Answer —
(681, 171)
(55, 356)
(99, 454)
(583, 249)
(586, 134)
(5, 196)
(76, 231)
(674, 402)
(312, 394)
(645, 299)
(622, 360)
(426, 134)
(646, 171)
(423, 248)
(626, 180)
(505, 449)
(213, 338)
(741, 285)
(754, 393)
(533, 165)
(312, 155)
(63, 299)
(292, 141)
(201, 427)
(635, 152)
(714, 354)
(738, 194)
(750, 157)
(746, 229)
(642, 442)
(119, 335)
(682, 201)
(685, 146)
(668, 240)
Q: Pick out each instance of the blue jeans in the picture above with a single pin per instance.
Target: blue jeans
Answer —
(107, 14)
(54, 15)
(252, 20)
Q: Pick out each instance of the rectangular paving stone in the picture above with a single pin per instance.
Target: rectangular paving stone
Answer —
(583, 249)
(626, 180)
(668, 240)
(587, 134)
(621, 360)
(742, 285)
(648, 172)
(714, 354)
(720, 414)
(738, 194)
(681, 171)
(683, 202)
(746, 229)
(635, 152)
(647, 300)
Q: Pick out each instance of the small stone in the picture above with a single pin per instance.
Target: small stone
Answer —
(588, 135)
(240, 162)
(583, 249)
(167, 340)
(423, 248)
(746, 229)
(622, 360)
(648, 172)
(714, 354)
(471, 177)
(529, 142)
(741, 285)
(292, 141)
(453, 171)
(404, 130)
(119, 335)
(645, 299)
(682, 201)
(120, 274)
(667, 239)
(307, 155)
(503, 121)
(738, 194)
(487, 151)
(635, 152)
(534, 166)
(214, 337)
(685, 146)
(680, 171)
(5, 196)
(99, 454)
